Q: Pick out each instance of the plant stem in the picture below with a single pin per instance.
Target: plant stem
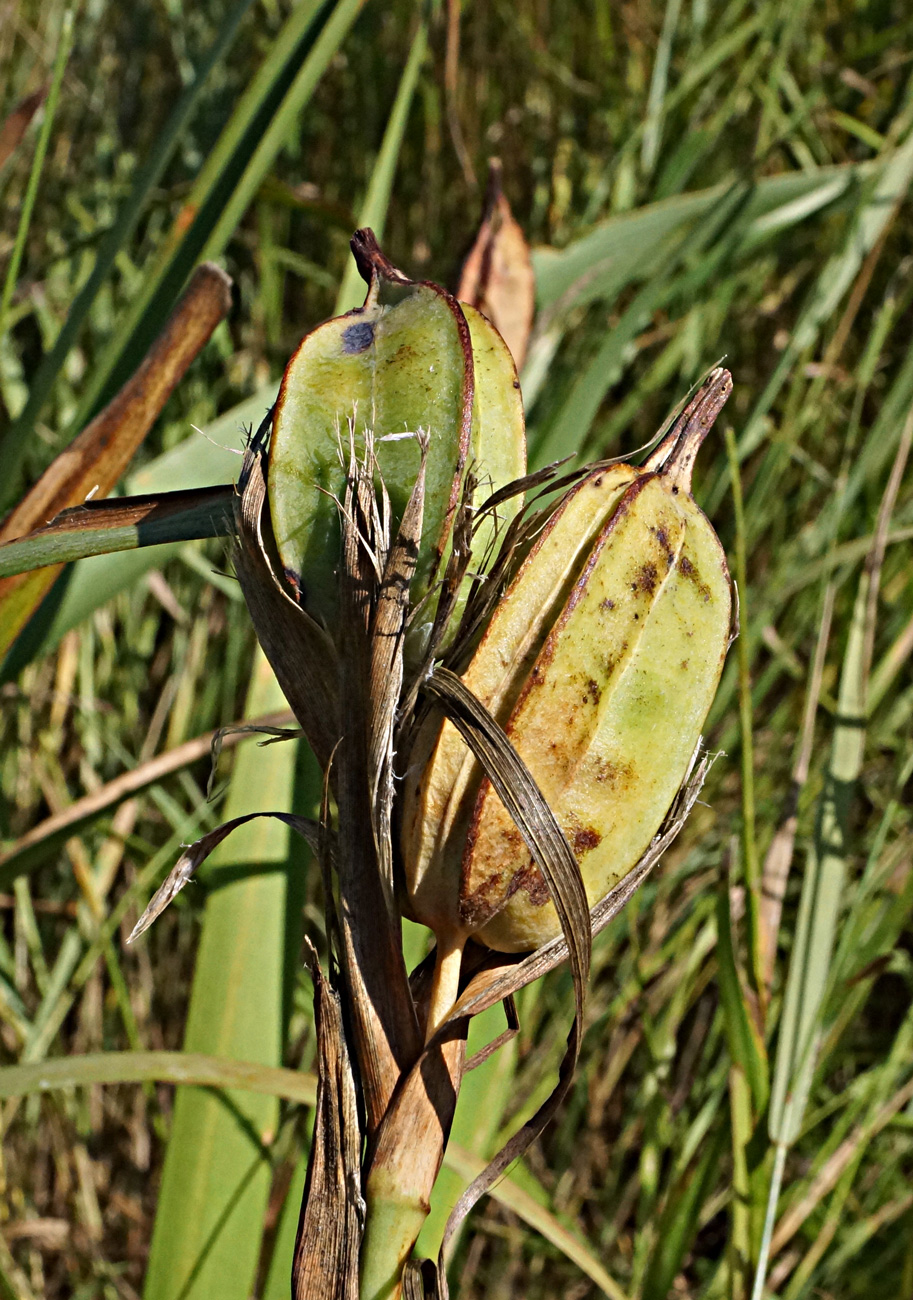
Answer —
(446, 982)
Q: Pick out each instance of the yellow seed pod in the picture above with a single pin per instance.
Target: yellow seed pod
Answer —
(601, 664)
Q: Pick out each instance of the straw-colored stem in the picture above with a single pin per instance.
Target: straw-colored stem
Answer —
(445, 985)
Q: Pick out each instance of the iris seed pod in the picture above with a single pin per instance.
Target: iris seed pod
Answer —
(601, 664)
(412, 358)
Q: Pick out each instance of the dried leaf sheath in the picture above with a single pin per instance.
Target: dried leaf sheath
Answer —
(384, 1018)
(300, 652)
(329, 1229)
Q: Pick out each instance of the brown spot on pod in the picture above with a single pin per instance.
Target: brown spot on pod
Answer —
(646, 580)
(585, 839)
(688, 570)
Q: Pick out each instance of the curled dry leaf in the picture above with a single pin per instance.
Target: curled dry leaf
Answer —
(196, 854)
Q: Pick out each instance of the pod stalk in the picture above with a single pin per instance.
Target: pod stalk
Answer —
(445, 984)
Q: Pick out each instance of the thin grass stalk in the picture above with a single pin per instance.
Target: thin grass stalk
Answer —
(64, 45)
(750, 863)
(281, 124)
(374, 208)
(203, 206)
(822, 892)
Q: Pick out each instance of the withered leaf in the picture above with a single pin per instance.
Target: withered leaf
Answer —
(497, 275)
(197, 853)
(325, 1265)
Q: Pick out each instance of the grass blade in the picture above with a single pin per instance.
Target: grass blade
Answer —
(158, 1067)
(823, 885)
(216, 1180)
(212, 190)
(64, 44)
(373, 211)
(14, 442)
(98, 528)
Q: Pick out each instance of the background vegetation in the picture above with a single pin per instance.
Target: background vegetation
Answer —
(699, 178)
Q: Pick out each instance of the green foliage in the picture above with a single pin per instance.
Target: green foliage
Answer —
(698, 179)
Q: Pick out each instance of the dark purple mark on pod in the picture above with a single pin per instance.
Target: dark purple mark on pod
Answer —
(357, 338)
(294, 581)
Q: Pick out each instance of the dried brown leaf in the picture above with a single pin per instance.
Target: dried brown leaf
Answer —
(497, 275)
(325, 1265)
(301, 654)
(17, 122)
(196, 854)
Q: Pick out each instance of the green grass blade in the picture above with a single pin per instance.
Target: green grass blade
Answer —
(377, 200)
(568, 432)
(626, 248)
(876, 209)
(216, 1180)
(750, 865)
(746, 1048)
(822, 893)
(64, 44)
(677, 1224)
(280, 127)
(653, 122)
(819, 908)
(513, 1196)
(113, 243)
(228, 161)
(158, 1067)
(276, 1284)
(169, 521)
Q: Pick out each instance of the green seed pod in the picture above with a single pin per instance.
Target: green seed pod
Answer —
(601, 664)
(408, 360)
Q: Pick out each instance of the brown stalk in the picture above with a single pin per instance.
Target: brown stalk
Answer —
(316, 675)
(42, 839)
(300, 652)
(329, 1232)
(96, 459)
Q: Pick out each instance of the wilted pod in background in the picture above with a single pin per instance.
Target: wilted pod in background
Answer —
(601, 663)
(412, 358)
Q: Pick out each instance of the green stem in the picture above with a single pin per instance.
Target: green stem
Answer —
(750, 863)
(31, 192)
